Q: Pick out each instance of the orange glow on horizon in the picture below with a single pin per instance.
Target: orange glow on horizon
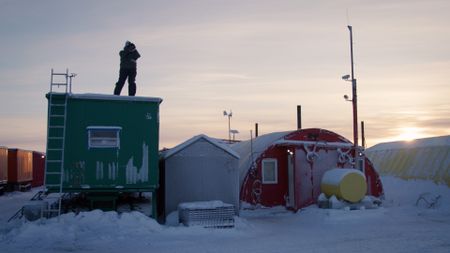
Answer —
(410, 133)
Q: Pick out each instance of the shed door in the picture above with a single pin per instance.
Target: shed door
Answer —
(303, 180)
(309, 175)
(291, 181)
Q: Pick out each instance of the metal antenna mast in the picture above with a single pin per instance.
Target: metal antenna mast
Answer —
(354, 96)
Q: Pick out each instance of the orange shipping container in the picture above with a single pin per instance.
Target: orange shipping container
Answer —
(20, 166)
(38, 168)
(3, 165)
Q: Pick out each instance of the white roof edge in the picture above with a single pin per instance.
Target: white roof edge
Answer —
(21, 149)
(185, 144)
(418, 143)
(269, 136)
(114, 97)
(27, 150)
(316, 143)
(104, 127)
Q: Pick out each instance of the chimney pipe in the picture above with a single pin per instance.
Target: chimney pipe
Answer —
(256, 130)
(363, 137)
(299, 117)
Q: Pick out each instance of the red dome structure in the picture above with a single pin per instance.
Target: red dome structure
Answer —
(286, 168)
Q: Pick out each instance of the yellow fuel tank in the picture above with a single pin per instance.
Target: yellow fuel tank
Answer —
(345, 184)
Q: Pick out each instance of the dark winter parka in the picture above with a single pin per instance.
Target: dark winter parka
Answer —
(128, 57)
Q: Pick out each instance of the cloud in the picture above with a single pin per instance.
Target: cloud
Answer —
(258, 58)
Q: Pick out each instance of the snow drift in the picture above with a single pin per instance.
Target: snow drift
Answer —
(401, 225)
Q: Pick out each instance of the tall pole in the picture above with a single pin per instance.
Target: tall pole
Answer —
(363, 135)
(354, 97)
(229, 115)
(229, 127)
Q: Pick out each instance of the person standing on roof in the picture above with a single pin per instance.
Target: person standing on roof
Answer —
(128, 57)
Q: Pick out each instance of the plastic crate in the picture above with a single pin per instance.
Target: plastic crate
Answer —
(208, 214)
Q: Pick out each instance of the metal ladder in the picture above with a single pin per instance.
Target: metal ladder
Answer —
(56, 129)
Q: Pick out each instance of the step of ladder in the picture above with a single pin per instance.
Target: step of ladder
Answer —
(53, 185)
(59, 84)
(59, 74)
(54, 161)
(54, 149)
(53, 173)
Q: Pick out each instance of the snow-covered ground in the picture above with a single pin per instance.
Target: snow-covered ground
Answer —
(399, 226)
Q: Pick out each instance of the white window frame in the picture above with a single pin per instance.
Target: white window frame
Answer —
(103, 142)
(263, 167)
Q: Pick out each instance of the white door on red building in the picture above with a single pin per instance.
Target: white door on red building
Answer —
(291, 181)
(308, 175)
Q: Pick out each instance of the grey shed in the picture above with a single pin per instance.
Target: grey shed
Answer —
(200, 169)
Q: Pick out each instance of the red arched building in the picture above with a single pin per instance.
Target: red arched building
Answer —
(286, 168)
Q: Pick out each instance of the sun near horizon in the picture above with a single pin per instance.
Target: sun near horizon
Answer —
(410, 133)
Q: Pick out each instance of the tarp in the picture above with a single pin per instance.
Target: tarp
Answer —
(427, 159)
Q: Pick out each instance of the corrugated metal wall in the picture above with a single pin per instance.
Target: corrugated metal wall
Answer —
(3, 165)
(20, 166)
(131, 167)
(38, 169)
(426, 159)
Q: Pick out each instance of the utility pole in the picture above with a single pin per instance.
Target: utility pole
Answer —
(363, 135)
(229, 115)
(354, 96)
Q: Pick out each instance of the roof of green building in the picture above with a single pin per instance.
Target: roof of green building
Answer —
(115, 97)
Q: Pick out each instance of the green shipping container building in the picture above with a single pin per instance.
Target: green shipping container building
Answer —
(102, 143)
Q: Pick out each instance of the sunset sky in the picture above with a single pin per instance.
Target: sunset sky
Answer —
(258, 58)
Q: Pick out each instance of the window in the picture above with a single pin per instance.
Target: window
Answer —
(269, 171)
(104, 136)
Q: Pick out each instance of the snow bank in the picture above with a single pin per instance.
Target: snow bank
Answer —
(76, 232)
(11, 202)
(405, 193)
(398, 226)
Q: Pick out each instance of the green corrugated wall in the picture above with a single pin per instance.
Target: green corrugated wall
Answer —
(133, 166)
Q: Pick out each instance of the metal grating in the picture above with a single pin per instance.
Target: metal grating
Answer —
(212, 214)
